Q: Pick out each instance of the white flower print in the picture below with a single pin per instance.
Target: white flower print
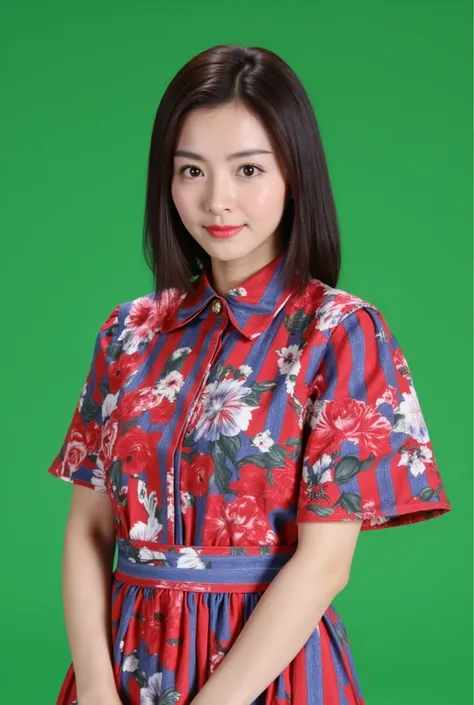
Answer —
(141, 492)
(186, 501)
(146, 532)
(332, 310)
(246, 370)
(415, 459)
(411, 418)
(149, 531)
(81, 398)
(223, 410)
(146, 554)
(145, 318)
(190, 558)
(108, 405)
(130, 663)
(290, 386)
(151, 694)
(321, 469)
(289, 360)
(263, 441)
(170, 385)
(237, 291)
(179, 352)
(98, 476)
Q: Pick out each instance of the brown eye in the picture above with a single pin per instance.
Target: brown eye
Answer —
(250, 169)
(191, 168)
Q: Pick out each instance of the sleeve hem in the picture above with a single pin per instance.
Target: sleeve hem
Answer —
(406, 514)
(74, 480)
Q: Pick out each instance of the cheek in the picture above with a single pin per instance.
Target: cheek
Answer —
(182, 199)
(267, 202)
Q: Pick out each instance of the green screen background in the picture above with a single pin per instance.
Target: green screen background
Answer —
(392, 91)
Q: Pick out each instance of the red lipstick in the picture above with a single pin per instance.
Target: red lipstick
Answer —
(223, 230)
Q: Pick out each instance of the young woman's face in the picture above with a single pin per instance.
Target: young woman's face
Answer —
(212, 186)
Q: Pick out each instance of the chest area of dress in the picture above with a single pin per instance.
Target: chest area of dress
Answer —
(217, 396)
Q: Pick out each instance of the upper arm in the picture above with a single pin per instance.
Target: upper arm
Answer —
(93, 513)
(330, 545)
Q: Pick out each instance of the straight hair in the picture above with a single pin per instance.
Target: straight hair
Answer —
(261, 81)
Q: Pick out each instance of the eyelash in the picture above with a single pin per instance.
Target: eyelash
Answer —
(193, 166)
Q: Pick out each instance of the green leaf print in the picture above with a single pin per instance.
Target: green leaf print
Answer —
(115, 474)
(258, 460)
(320, 511)
(276, 457)
(174, 364)
(350, 502)
(269, 478)
(114, 350)
(169, 697)
(140, 677)
(90, 409)
(348, 467)
(222, 474)
(426, 494)
(238, 551)
(297, 322)
(258, 388)
(104, 390)
(230, 446)
(293, 441)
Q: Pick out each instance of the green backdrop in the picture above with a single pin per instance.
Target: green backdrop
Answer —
(391, 86)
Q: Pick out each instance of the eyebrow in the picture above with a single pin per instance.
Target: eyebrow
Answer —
(236, 155)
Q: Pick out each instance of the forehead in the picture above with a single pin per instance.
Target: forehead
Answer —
(222, 130)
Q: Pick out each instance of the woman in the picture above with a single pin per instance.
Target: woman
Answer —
(240, 425)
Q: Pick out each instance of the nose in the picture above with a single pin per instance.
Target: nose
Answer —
(219, 195)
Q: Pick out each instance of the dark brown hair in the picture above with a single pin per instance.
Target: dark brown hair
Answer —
(268, 87)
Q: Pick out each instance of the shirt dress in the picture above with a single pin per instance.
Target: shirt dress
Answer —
(216, 423)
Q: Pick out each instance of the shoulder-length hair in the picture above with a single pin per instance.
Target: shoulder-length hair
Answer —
(269, 88)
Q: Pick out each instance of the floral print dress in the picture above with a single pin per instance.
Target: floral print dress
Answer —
(215, 424)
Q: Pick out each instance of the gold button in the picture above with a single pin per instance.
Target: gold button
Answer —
(216, 306)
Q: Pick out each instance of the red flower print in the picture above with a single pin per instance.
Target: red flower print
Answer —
(136, 402)
(252, 481)
(198, 473)
(109, 436)
(93, 435)
(74, 453)
(120, 370)
(134, 450)
(314, 292)
(350, 420)
(162, 412)
(284, 491)
(236, 524)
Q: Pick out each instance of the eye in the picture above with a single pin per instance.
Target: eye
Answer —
(251, 167)
(189, 166)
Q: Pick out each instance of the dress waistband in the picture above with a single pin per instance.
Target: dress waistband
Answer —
(199, 568)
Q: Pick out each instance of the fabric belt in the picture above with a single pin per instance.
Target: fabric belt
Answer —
(199, 568)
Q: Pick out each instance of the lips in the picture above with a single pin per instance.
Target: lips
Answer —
(222, 231)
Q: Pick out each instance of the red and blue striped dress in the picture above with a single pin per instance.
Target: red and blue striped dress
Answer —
(215, 424)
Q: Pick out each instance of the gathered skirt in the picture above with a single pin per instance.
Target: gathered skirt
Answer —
(176, 611)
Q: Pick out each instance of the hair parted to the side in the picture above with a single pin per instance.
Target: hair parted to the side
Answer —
(269, 88)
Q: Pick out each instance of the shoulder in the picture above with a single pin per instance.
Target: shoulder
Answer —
(137, 320)
(327, 308)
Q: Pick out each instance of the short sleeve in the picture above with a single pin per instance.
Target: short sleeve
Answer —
(79, 460)
(368, 455)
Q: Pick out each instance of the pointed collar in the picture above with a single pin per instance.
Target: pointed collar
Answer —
(251, 306)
